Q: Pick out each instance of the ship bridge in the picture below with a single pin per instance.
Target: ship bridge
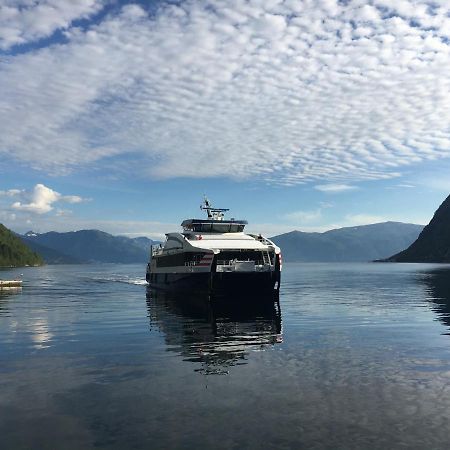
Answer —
(215, 223)
(213, 226)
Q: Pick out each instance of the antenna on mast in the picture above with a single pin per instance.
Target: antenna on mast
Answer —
(213, 213)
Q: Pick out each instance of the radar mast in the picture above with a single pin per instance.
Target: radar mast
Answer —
(213, 213)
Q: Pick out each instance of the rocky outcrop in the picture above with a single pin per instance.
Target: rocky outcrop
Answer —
(433, 243)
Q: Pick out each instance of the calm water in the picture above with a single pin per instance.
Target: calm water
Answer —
(354, 356)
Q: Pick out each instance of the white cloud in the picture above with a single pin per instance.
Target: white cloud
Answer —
(10, 192)
(63, 212)
(304, 216)
(71, 199)
(437, 183)
(22, 21)
(283, 91)
(363, 219)
(6, 216)
(334, 188)
(41, 200)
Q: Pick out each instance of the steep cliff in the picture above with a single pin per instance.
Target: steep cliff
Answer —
(433, 243)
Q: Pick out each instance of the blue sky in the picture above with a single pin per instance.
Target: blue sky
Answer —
(303, 115)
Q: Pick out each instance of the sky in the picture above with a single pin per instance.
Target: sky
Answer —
(308, 115)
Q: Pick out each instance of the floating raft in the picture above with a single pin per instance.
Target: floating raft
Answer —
(10, 283)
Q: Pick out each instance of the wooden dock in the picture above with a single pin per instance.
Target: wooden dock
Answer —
(10, 283)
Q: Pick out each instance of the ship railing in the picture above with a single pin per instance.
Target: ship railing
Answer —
(231, 262)
(160, 250)
(157, 250)
(262, 239)
(233, 265)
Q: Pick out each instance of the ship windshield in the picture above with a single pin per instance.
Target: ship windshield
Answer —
(218, 226)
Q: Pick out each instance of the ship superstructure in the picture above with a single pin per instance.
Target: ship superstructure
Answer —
(215, 254)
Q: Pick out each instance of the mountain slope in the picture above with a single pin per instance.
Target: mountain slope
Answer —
(361, 243)
(50, 255)
(95, 245)
(433, 244)
(14, 253)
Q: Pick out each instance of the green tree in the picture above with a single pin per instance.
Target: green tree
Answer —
(14, 253)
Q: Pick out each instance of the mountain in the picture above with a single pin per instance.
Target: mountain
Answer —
(14, 253)
(93, 246)
(144, 243)
(433, 243)
(361, 243)
(49, 255)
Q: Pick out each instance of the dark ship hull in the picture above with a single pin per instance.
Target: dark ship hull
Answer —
(223, 282)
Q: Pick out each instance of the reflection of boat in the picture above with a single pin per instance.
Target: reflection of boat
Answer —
(10, 283)
(215, 334)
(214, 255)
(438, 286)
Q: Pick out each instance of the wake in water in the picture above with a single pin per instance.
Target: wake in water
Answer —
(120, 279)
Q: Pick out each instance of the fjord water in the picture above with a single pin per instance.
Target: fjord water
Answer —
(353, 356)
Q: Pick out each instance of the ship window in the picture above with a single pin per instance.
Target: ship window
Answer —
(272, 258)
(218, 227)
(173, 242)
(179, 259)
(193, 257)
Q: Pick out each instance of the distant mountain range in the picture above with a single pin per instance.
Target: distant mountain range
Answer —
(88, 246)
(433, 243)
(360, 243)
(14, 253)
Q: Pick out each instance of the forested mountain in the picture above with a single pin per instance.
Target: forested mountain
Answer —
(14, 253)
(360, 243)
(433, 244)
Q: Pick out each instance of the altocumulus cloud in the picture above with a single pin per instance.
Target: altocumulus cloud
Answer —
(22, 21)
(335, 188)
(286, 91)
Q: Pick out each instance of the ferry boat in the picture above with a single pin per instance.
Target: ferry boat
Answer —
(215, 255)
